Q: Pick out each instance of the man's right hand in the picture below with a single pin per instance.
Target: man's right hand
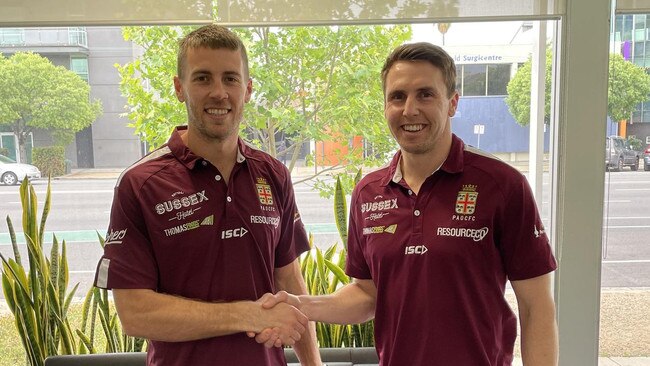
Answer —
(272, 336)
(282, 323)
(281, 296)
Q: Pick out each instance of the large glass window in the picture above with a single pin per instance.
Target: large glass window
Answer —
(80, 66)
(474, 80)
(77, 36)
(12, 36)
(482, 79)
(626, 229)
(498, 77)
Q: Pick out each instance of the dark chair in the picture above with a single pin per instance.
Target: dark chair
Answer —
(362, 356)
(330, 356)
(99, 359)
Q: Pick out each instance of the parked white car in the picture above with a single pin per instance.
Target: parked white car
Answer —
(13, 173)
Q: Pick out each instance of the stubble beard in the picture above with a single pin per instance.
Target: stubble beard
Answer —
(206, 134)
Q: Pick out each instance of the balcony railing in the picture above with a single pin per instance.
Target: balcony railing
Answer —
(38, 37)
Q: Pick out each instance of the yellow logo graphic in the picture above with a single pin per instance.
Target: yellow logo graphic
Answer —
(208, 220)
(380, 229)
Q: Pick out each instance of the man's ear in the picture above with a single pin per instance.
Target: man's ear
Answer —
(453, 104)
(249, 90)
(178, 88)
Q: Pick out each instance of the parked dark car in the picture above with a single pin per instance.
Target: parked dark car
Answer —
(646, 159)
(618, 154)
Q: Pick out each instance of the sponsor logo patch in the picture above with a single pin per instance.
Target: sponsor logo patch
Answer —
(267, 220)
(264, 192)
(115, 237)
(195, 224)
(208, 221)
(415, 249)
(182, 215)
(180, 203)
(466, 200)
(376, 216)
(182, 228)
(234, 233)
(461, 232)
(538, 232)
(379, 205)
(380, 229)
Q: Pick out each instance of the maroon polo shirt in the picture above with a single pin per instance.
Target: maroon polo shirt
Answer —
(440, 259)
(177, 228)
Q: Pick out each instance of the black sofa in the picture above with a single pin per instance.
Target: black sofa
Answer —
(365, 356)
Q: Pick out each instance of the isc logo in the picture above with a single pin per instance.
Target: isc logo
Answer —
(415, 249)
(233, 233)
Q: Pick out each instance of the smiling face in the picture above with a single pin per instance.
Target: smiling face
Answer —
(418, 107)
(214, 88)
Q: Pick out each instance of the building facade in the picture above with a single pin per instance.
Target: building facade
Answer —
(632, 37)
(91, 53)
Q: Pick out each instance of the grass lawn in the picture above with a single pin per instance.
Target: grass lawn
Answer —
(11, 349)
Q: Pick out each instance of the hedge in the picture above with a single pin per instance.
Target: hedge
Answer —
(50, 160)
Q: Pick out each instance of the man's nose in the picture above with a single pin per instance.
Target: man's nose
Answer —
(411, 107)
(218, 90)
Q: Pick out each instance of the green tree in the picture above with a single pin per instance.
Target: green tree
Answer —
(518, 99)
(309, 84)
(628, 86)
(35, 94)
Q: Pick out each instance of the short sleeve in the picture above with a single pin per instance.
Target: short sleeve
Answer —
(522, 239)
(293, 238)
(128, 260)
(356, 264)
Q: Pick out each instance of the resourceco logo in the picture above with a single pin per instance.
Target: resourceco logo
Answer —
(178, 203)
(461, 232)
(267, 220)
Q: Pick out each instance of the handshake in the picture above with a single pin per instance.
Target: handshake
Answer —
(282, 321)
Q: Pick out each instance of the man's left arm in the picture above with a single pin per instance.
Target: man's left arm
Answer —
(539, 339)
(289, 278)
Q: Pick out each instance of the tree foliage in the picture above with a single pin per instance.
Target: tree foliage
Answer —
(309, 84)
(628, 86)
(518, 99)
(35, 94)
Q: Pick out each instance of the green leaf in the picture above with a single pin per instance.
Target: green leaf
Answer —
(341, 212)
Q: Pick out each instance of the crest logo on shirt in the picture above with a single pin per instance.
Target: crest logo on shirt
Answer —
(466, 200)
(264, 192)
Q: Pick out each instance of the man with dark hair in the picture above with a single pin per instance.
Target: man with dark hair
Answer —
(435, 236)
(204, 226)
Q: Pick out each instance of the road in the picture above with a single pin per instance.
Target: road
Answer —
(81, 207)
